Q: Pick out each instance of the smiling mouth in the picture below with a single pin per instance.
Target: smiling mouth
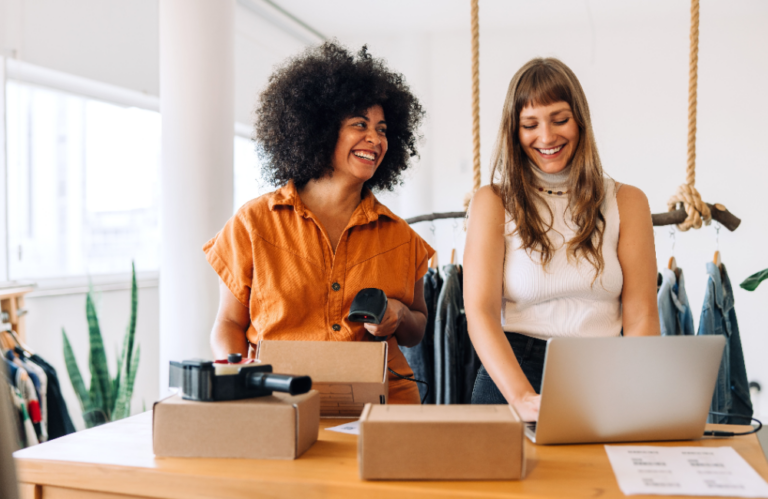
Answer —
(550, 152)
(370, 156)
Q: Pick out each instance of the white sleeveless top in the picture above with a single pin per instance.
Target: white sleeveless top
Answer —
(562, 301)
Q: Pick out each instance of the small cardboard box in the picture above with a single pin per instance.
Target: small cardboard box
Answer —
(441, 442)
(347, 374)
(279, 426)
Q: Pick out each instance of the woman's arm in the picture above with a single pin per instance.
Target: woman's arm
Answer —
(483, 277)
(637, 256)
(232, 321)
(407, 324)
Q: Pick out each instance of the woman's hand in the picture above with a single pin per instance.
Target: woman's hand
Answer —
(528, 406)
(406, 323)
(393, 317)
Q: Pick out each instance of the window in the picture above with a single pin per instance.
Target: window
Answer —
(83, 184)
(248, 181)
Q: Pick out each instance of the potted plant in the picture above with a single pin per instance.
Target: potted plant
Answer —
(108, 398)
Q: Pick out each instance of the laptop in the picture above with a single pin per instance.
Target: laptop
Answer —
(626, 389)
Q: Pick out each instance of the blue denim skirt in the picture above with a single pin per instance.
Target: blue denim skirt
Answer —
(530, 354)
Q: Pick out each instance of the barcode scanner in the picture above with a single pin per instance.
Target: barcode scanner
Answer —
(369, 305)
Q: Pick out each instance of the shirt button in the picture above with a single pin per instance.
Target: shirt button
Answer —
(336, 286)
(336, 327)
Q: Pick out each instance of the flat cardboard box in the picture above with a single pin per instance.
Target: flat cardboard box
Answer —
(279, 426)
(441, 442)
(347, 374)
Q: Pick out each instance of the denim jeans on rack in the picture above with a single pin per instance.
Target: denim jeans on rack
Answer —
(718, 316)
(530, 353)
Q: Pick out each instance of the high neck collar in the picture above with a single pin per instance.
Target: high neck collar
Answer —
(557, 180)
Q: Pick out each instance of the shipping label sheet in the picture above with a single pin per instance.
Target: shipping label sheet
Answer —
(695, 471)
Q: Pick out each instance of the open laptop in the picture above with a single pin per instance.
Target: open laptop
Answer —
(626, 389)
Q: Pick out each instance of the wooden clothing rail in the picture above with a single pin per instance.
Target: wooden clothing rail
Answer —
(719, 213)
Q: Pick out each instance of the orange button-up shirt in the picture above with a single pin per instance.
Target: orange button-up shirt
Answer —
(277, 260)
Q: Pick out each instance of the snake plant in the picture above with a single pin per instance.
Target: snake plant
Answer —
(107, 399)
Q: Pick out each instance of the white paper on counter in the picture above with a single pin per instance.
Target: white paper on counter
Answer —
(700, 471)
(352, 428)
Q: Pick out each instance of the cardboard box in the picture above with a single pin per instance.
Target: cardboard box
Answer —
(279, 426)
(441, 442)
(347, 374)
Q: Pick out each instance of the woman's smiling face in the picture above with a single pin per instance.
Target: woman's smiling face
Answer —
(549, 135)
(362, 144)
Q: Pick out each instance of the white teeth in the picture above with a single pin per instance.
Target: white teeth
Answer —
(551, 151)
(369, 157)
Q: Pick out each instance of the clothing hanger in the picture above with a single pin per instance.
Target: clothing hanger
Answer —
(716, 259)
(20, 344)
(6, 335)
(672, 265)
(454, 226)
(6, 343)
(433, 261)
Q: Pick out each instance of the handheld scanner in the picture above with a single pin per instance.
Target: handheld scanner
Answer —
(199, 380)
(369, 305)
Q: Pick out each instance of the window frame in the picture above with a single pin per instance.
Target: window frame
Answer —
(24, 72)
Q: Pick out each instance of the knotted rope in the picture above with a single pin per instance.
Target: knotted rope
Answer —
(476, 172)
(696, 209)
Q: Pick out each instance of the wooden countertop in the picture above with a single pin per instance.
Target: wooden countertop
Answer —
(117, 459)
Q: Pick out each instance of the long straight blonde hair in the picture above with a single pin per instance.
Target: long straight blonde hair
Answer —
(541, 82)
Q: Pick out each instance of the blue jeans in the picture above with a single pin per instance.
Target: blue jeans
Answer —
(530, 353)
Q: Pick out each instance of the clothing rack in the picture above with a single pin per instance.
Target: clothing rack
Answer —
(719, 213)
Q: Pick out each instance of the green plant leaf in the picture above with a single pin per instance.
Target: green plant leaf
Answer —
(116, 380)
(74, 375)
(125, 360)
(751, 282)
(101, 386)
(130, 361)
(123, 406)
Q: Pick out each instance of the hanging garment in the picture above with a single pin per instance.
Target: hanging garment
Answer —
(28, 406)
(450, 304)
(59, 421)
(718, 316)
(675, 314)
(42, 391)
(18, 423)
(469, 362)
(421, 358)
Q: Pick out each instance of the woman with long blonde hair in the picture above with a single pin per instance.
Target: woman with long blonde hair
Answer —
(554, 247)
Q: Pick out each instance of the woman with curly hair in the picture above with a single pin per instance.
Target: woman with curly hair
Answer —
(330, 128)
(554, 247)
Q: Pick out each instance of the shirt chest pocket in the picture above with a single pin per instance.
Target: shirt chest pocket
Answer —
(389, 271)
(287, 285)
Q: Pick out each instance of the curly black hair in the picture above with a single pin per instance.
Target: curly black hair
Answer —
(300, 113)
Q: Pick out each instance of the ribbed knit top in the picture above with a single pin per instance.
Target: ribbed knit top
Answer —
(561, 300)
